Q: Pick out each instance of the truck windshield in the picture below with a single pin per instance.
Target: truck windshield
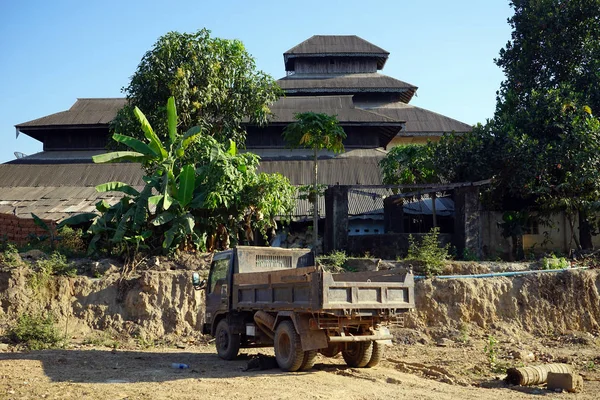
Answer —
(218, 272)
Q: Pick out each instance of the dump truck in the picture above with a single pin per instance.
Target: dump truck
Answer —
(265, 296)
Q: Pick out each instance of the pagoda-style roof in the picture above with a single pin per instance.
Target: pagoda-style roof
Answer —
(422, 122)
(346, 83)
(84, 112)
(334, 45)
(285, 109)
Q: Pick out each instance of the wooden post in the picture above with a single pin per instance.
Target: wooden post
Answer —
(433, 196)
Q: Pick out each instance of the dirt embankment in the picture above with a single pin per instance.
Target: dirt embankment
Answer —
(149, 304)
(154, 303)
(542, 304)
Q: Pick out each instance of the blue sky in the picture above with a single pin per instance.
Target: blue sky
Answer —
(52, 52)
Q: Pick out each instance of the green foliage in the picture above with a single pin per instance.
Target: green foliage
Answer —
(554, 262)
(491, 352)
(102, 338)
(315, 131)
(55, 264)
(10, 255)
(71, 242)
(410, 164)
(335, 259)
(215, 81)
(36, 331)
(429, 252)
(187, 200)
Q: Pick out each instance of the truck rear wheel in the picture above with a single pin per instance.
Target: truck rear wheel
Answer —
(310, 357)
(377, 354)
(288, 349)
(331, 351)
(358, 354)
(227, 343)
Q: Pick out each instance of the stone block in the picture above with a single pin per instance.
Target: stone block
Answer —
(571, 382)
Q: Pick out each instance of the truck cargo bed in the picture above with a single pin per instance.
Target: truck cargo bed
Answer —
(310, 289)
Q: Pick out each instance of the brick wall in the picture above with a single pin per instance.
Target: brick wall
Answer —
(17, 230)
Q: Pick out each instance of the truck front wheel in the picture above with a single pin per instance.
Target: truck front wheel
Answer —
(228, 344)
(358, 354)
(288, 349)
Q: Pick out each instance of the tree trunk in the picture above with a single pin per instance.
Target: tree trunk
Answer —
(585, 231)
(315, 207)
(517, 251)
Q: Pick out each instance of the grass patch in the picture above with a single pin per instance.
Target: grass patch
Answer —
(35, 331)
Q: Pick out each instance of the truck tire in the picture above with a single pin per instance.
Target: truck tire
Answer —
(227, 343)
(358, 354)
(377, 354)
(288, 350)
(310, 357)
(331, 351)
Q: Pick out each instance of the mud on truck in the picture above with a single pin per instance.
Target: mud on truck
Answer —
(262, 297)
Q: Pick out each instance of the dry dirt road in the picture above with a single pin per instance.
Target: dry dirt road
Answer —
(101, 373)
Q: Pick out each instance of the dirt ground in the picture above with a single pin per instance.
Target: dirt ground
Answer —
(443, 370)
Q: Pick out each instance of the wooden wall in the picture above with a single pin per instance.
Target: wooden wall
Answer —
(329, 65)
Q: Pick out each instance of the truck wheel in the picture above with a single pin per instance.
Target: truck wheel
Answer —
(228, 344)
(377, 354)
(288, 350)
(331, 351)
(358, 354)
(310, 357)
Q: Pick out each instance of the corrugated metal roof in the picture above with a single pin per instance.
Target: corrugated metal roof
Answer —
(335, 45)
(56, 157)
(420, 121)
(285, 109)
(343, 171)
(52, 202)
(83, 112)
(72, 175)
(343, 83)
(272, 153)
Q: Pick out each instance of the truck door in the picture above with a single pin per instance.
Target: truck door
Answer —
(217, 290)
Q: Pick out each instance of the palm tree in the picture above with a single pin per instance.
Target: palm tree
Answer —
(315, 131)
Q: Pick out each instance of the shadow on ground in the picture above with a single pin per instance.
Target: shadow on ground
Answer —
(121, 366)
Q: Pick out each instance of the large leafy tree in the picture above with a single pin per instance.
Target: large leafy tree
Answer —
(200, 203)
(316, 131)
(215, 81)
(552, 67)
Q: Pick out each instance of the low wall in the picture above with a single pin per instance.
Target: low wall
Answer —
(18, 230)
(388, 246)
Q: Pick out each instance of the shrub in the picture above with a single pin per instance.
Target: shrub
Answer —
(335, 259)
(10, 255)
(428, 252)
(55, 264)
(554, 262)
(71, 242)
(35, 331)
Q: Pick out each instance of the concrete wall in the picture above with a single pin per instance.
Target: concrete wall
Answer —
(556, 237)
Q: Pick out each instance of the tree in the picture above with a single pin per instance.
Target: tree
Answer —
(554, 53)
(182, 204)
(317, 132)
(215, 81)
(410, 164)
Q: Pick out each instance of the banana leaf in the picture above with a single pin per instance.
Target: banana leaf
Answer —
(117, 187)
(135, 144)
(119, 156)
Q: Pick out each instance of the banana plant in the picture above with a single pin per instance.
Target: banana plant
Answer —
(166, 195)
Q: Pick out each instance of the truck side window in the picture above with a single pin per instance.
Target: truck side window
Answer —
(218, 272)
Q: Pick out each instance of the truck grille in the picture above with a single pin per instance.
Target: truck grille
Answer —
(264, 262)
